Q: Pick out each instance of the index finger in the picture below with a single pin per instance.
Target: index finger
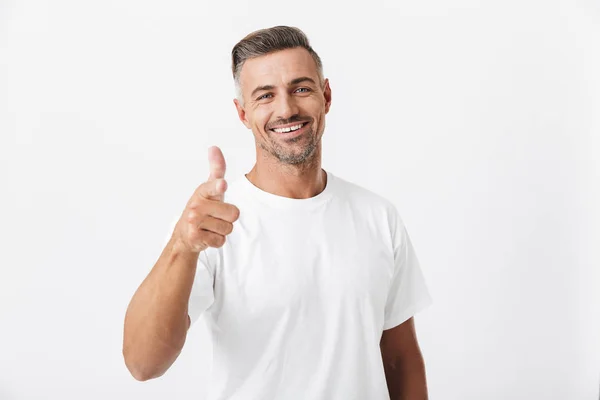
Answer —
(225, 211)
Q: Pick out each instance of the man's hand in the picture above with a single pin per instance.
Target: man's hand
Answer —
(207, 219)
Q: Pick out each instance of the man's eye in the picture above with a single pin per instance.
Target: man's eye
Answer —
(303, 88)
(263, 96)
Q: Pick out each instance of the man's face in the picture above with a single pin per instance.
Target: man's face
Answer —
(281, 93)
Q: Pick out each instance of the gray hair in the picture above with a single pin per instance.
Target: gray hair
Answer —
(265, 41)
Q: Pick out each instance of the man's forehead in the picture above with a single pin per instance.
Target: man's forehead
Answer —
(279, 67)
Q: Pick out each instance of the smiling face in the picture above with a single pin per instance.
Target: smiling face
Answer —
(284, 104)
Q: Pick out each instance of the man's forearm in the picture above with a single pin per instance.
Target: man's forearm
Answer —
(406, 378)
(156, 321)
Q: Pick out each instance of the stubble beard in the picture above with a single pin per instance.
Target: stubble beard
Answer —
(286, 156)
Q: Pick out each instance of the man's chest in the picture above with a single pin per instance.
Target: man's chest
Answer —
(306, 266)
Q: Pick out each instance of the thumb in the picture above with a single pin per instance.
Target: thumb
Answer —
(216, 163)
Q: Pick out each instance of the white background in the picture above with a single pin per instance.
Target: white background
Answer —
(479, 120)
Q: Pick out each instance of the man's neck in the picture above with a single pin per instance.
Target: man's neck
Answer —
(293, 181)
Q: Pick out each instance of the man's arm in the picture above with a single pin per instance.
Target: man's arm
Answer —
(156, 321)
(403, 363)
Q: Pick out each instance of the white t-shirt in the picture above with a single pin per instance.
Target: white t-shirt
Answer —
(298, 296)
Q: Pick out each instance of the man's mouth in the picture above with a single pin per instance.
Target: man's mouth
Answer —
(290, 127)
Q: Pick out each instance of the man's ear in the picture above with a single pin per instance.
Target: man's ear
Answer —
(327, 95)
(241, 113)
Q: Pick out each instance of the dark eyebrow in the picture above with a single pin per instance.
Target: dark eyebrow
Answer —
(302, 79)
(292, 82)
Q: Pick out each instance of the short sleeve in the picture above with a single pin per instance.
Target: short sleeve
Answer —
(202, 294)
(408, 293)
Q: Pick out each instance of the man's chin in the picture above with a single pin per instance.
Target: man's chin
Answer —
(299, 156)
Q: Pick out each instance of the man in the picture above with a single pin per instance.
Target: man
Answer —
(308, 283)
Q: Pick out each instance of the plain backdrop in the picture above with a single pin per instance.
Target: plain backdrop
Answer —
(480, 120)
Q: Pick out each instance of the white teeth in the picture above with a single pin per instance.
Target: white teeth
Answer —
(291, 128)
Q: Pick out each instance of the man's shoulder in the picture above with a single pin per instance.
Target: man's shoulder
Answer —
(355, 192)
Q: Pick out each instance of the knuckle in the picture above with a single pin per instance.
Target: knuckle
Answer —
(191, 216)
(194, 202)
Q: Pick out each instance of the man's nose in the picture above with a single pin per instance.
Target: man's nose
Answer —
(286, 107)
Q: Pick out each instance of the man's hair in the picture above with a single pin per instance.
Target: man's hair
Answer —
(265, 41)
